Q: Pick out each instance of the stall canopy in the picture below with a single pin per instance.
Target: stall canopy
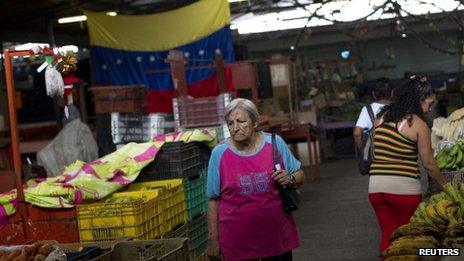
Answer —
(127, 49)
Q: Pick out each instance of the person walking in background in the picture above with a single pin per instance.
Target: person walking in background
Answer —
(382, 94)
(401, 135)
(246, 220)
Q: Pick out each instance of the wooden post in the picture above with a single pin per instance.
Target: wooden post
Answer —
(219, 63)
(8, 55)
(176, 59)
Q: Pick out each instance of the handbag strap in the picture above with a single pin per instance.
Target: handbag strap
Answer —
(275, 152)
(371, 115)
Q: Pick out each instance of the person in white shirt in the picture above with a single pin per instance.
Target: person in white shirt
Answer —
(382, 95)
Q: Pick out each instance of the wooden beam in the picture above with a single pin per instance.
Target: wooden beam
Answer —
(176, 59)
(219, 63)
(10, 91)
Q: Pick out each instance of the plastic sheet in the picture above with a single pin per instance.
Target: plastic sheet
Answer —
(74, 142)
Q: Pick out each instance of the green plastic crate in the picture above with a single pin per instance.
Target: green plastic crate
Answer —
(198, 236)
(195, 192)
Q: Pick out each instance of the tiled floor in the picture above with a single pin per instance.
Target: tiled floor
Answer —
(335, 219)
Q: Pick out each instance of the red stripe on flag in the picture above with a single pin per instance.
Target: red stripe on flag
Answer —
(156, 100)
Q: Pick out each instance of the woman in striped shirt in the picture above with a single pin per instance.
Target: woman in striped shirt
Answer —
(401, 135)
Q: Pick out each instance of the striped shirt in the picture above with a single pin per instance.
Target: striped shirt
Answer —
(394, 154)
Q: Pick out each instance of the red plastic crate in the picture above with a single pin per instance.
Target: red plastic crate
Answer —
(119, 99)
(42, 224)
(194, 112)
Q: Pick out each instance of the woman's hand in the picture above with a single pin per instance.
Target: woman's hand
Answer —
(214, 252)
(282, 177)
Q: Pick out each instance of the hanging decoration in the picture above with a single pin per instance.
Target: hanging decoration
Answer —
(67, 62)
(59, 74)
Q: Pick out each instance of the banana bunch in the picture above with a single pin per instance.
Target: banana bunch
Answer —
(416, 229)
(443, 209)
(407, 246)
(454, 235)
(437, 222)
(451, 159)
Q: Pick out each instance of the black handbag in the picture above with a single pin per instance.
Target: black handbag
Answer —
(366, 154)
(289, 196)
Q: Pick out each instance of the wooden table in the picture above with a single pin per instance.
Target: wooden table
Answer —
(327, 132)
(305, 133)
(25, 147)
(296, 133)
(29, 131)
(273, 126)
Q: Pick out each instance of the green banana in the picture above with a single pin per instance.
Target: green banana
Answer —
(433, 215)
(461, 189)
(451, 163)
(459, 157)
(454, 194)
(434, 198)
(441, 156)
(454, 150)
(441, 164)
(451, 211)
(441, 208)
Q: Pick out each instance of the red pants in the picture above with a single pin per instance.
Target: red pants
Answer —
(392, 211)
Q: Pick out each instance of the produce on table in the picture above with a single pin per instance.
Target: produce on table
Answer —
(451, 128)
(39, 251)
(451, 158)
(437, 222)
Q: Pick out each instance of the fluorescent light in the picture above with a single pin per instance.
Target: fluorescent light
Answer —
(41, 67)
(111, 13)
(68, 48)
(72, 19)
(29, 46)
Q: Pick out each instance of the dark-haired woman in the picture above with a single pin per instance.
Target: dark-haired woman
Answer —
(401, 135)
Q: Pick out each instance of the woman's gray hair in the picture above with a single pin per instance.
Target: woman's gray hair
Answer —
(245, 105)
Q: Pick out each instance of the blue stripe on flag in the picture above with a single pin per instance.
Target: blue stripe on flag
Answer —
(118, 67)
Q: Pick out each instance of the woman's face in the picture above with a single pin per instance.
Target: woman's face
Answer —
(240, 125)
(428, 103)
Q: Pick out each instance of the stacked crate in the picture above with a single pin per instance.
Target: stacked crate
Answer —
(202, 113)
(128, 122)
(186, 162)
(127, 99)
(136, 127)
(174, 160)
(134, 214)
(174, 209)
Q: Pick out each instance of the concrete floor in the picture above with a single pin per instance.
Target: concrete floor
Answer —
(335, 220)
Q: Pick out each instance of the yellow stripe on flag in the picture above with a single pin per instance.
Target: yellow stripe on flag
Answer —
(158, 32)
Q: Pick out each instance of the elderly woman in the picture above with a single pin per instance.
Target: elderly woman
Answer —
(246, 220)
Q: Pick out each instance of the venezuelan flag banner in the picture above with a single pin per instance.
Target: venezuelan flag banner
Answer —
(125, 48)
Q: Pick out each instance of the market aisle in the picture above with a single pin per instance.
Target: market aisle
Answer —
(336, 221)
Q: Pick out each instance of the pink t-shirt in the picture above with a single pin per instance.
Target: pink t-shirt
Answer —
(252, 223)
